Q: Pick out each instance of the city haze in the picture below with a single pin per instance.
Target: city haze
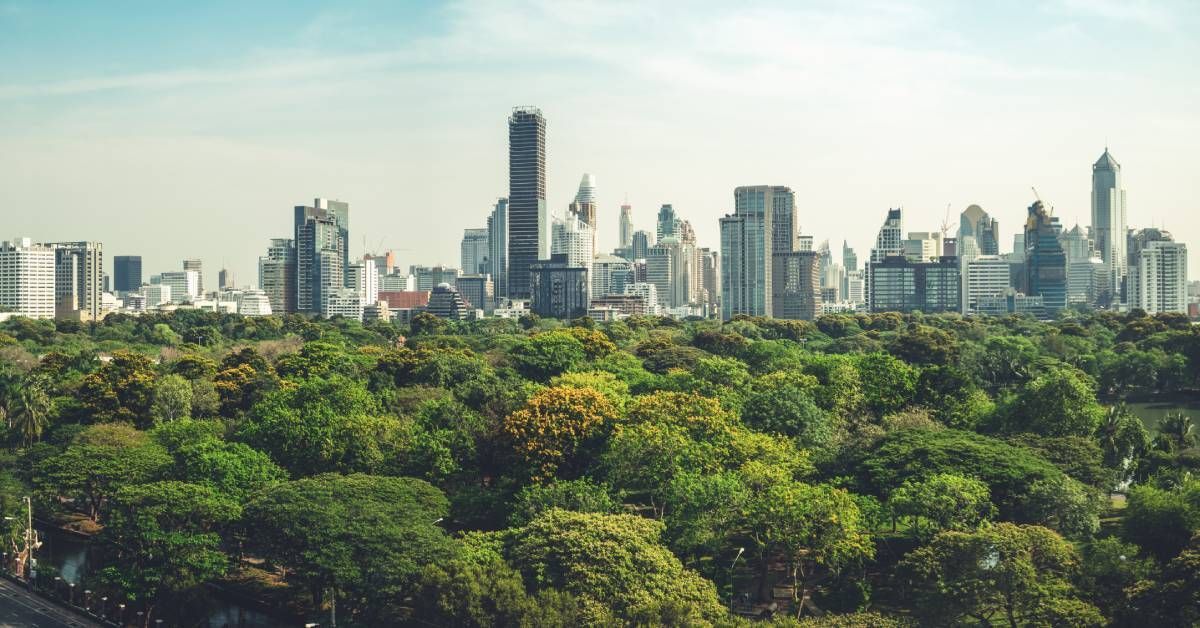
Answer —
(192, 131)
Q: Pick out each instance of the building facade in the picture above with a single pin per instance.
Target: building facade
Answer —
(277, 275)
(127, 273)
(78, 280)
(797, 277)
(902, 285)
(27, 278)
(1158, 282)
(528, 222)
(1045, 261)
(559, 290)
(747, 248)
(1108, 223)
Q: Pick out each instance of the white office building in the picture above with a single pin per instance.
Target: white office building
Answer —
(184, 284)
(27, 278)
(156, 294)
(1158, 281)
(984, 276)
(345, 302)
(364, 279)
(255, 303)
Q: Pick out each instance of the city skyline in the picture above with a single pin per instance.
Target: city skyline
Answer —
(144, 143)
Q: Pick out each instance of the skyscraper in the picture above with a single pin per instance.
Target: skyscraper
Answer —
(528, 222)
(626, 228)
(1045, 261)
(888, 243)
(198, 266)
(559, 290)
(1108, 223)
(747, 248)
(1158, 279)
(127, 273)
(667, 222)
(225, 279)
(322, 258)
(584, 206)
(474, 251)
(797, 275)
(277, 275)
(497, 226)
(27, 278)
(78, 279)
(573, 238)
(982, 230)
(640, 245)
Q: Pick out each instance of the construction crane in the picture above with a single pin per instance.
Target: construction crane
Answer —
(1049, 212)
(946, 226)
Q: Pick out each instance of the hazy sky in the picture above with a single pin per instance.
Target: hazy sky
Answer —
(190, 129)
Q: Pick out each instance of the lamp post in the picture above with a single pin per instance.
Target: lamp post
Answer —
(731, 566)
(71, 596)
(104, 607)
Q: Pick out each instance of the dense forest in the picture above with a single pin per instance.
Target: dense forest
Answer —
(858, 470)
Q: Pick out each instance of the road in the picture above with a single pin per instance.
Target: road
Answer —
(20, 609)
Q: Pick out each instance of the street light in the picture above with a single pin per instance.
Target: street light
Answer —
(731, 566)
(104, 607)
(71, 597)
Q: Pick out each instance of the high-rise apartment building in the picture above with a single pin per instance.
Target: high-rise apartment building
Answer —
(559, 290)
(640, 247)
(478, 291)
(78, 280)
(322, 252)
(277, 275)
(747, 248)
(710, 279)
(923, 246)
(1108, 223)
(625, 233)
(127, 273)
(528, 220)
(667, 223)
(797, 275)
(889, 242)
(497, 226)
(27, 278)
(609, 275)
(574, 238)
(198, 266)
(474, 251)
(584, 205)
(899, 284)
(428, 277)
(1158, 281)
(364, 279)
(225, 279)
(983, 276)
(1045, 261)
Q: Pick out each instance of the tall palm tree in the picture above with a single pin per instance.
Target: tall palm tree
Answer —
(1176, 433)
(1122, 436)
(32, 414)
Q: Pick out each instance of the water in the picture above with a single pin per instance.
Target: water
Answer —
(72, 556)
(1152, 412)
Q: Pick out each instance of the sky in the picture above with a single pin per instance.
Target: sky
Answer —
(178, 130)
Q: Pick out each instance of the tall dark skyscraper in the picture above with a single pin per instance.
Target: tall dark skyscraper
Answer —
(127, 272)
(1045, 261)
(528, 224)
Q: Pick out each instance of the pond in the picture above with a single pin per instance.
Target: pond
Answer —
(1152, 412)
(71, 556)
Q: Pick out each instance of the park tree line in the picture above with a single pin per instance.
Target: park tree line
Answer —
(877, 470)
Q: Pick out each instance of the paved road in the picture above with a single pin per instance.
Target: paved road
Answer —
(20, 609)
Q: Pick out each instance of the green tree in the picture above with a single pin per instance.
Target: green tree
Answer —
(1061, 402)
(121, 390)
(101, 460)
(1004, 572)
(232, 469)
(1123, 439)
(172, 399)
(30, 415)
(1162, 521)
(165, 539)
(320, 425)
(815, 529)
(887, 383)
(580, 495)
(1108, 568)
(363, 538)
(610, 562)
(789, 409)
(547, 354)
(945, 500)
